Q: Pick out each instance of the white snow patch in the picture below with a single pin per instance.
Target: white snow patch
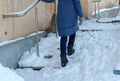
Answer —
(96, 56)
(31, 59)
(9, 75)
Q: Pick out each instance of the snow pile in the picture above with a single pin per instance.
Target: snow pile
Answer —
(94, 58)
(8, 75)
(30, 58)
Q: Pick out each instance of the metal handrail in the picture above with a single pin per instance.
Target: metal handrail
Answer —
(96, 1)
(21, 13)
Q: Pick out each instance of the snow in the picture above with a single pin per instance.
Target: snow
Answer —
(31, 59)
(96, 56)
(92, 25)
(8, 75)
(93, 60)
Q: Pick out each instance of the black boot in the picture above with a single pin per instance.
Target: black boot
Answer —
(70, 49)
(64, 60)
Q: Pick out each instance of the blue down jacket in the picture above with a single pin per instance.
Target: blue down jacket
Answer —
(67, 16)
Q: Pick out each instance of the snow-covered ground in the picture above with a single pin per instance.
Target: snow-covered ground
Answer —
(8, 75)
(91, 24)
(96, 55)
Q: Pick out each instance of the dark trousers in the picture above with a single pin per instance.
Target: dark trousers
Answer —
(63, 42)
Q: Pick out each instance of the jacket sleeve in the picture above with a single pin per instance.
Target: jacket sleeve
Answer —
(78, 7)
(48, 1)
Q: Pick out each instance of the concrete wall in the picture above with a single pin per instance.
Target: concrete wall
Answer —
(108, 3)
(105, 4)
(89, 6)
(11, 53)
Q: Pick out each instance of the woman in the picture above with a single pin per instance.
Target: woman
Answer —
(67, 23)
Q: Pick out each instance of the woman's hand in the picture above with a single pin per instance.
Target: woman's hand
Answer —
(81, 20)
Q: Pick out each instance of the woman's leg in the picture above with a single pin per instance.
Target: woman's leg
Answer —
(63, 43)
(72, 39)
(71, 44)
